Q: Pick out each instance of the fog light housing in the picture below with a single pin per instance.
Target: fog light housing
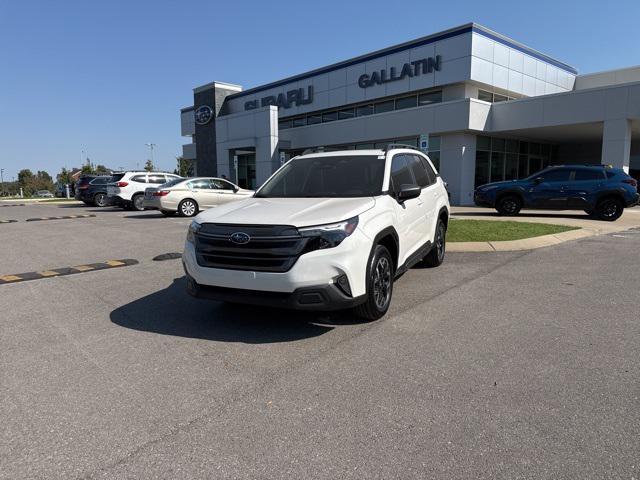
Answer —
(342, 282)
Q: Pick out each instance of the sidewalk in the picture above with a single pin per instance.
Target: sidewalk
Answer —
(573, 218)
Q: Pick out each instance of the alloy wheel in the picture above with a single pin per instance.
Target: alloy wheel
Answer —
(188, 208)
(100, 200)
(440, 242)
(382, 283)
(510, 206)
(609, 208)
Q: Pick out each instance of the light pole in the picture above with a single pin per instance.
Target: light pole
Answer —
(2, 180)
(151, 146)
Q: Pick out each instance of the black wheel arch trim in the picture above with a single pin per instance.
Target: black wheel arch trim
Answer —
(385, 232)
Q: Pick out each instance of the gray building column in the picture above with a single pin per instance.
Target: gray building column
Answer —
(616, 143)
(267, 160)
(458, 166)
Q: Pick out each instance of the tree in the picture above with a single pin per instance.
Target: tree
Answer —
(31, 183)
(148, 166)
(185, 167)
(101, 170)
(87, 168)
(64, 177)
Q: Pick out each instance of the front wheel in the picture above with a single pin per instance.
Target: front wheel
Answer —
(609, 209)
(188, 208)
(435, 257)
(509, 205)
(379, 285)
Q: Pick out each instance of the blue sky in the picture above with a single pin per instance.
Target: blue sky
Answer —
(106, 77)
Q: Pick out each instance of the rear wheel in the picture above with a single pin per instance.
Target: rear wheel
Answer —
(509, 205)
(436, 256)
(99, 199)
(609, 209)
(188, 208)
(379, 285)
(136, 202)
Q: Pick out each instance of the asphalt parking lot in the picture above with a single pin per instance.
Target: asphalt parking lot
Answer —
(495, 365)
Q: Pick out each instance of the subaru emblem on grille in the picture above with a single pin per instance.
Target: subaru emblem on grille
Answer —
(240, 238)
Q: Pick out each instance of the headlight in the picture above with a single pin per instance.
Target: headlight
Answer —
(330, 235)
(487, 189)
(191, 233)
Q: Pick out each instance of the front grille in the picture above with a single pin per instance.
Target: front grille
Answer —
(271, 248)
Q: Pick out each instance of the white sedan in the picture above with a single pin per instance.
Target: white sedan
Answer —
(187, 196)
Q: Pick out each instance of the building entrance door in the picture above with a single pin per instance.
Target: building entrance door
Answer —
(246, 171)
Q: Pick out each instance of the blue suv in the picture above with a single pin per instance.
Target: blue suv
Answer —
(601, 191)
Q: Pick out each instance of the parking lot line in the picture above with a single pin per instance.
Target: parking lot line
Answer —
(64, 217)
(58, 272)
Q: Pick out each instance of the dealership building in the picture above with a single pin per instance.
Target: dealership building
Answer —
(485, 108)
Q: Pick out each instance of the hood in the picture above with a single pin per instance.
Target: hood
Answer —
(499, 184)
(299, 212)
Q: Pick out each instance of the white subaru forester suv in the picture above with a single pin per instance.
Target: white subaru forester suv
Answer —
(327, 231)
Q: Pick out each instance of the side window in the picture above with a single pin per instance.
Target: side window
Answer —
(588, 175)
(202, 184)
(433, 176)
(139, 178)
(157, 179)
(221, 185)
(419, 172)
(99, 181)
(557, 175)
(401, 172)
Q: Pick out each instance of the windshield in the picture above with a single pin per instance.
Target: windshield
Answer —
(339, 176)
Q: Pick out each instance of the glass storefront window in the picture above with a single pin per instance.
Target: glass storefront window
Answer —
(497, 166)
(434, 143)
(299, 122)
(497, 144)
(284, 124)
(511, 167)
(499, 98)
(483, 143)
(347, 113)
(364, 146)
(363, 110)
(482, 168)
(430, 97)
(382, 107)
(313, 119)
(406, 102)
(329, 116)
(485, 96)
(512, 146)
(523, 166)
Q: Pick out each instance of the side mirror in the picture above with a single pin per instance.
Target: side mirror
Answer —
(538, 180)
(407, 192)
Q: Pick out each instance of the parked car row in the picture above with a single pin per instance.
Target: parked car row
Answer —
(166, 192)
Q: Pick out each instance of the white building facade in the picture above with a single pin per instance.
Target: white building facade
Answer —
(485, 107)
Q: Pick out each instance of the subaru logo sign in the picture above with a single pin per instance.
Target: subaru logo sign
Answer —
(203, 114)
(240, 238)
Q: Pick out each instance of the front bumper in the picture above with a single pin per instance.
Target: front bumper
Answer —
(316, 270)
(314, 298)
(482, 200)
(635, 201)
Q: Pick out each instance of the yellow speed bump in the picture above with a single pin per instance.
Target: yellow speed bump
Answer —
(59, 272)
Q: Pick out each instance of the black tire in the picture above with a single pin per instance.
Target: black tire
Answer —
(379, 285)
(136, 202)
(609, 209)
(436, 256)
(168, 213)
(100, 199)
(188, 208)
(509, 205)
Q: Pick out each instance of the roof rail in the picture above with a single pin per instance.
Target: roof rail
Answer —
(390, 146)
